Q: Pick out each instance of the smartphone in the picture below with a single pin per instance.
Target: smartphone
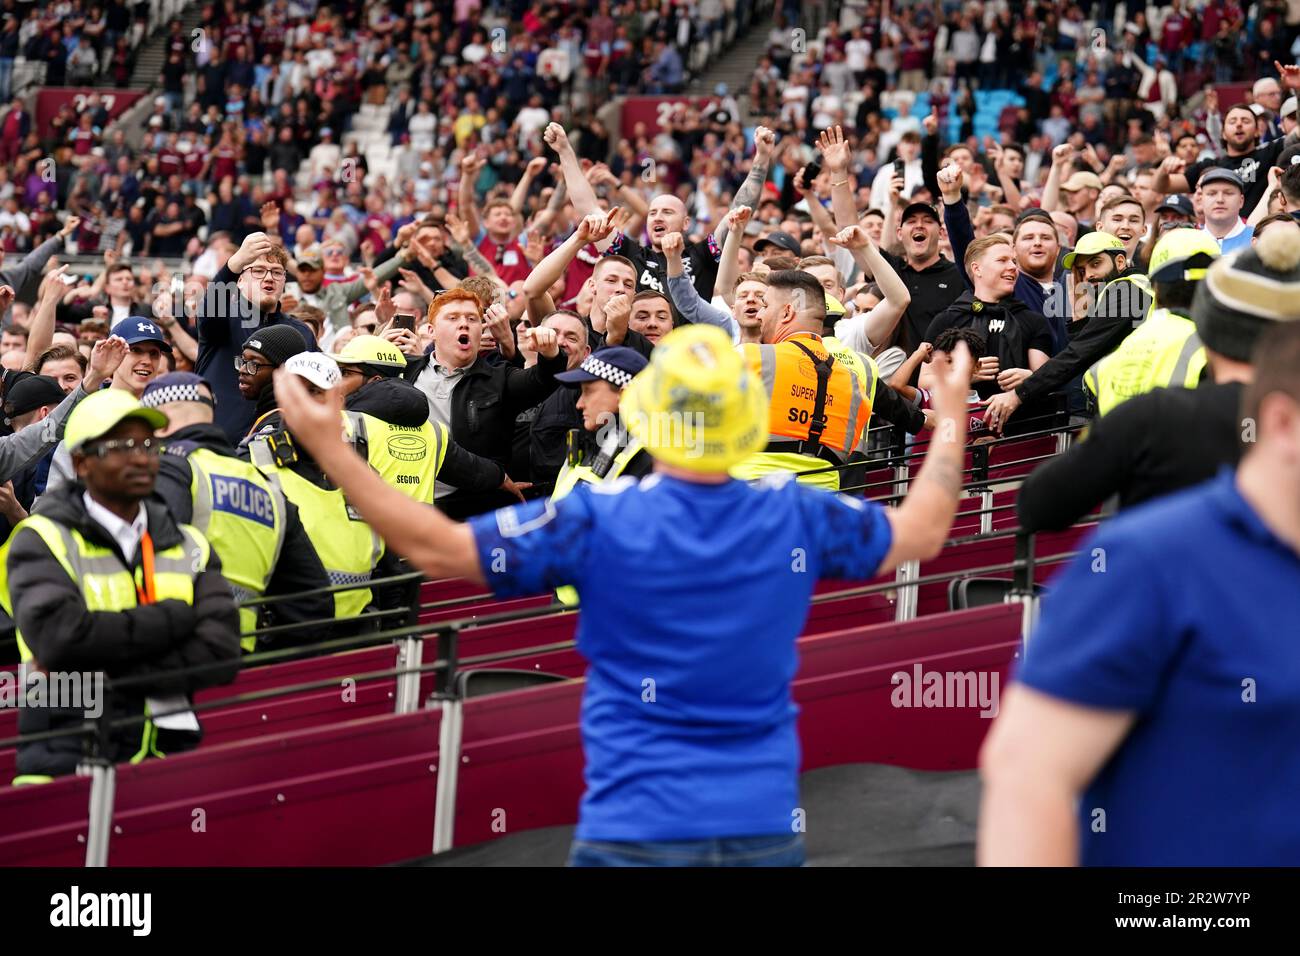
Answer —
(811, 172)
(900, 167)
(403, 320)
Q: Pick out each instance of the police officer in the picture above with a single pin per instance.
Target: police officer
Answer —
(603, 450)
(387, 418)
(1165, 349)
(255, 530)
(101, 578)
(347, 547)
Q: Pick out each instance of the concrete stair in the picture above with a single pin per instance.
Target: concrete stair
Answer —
(734, 66)
(152, 54)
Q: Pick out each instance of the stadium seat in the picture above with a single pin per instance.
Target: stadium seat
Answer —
(500, 680)
(966, 593)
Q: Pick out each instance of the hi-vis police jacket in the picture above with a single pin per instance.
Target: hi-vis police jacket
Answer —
(254, 528)
(1164, 351)
(76, 601)
(347, 546)
(592, 464)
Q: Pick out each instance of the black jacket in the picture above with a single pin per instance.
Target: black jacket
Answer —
(549, 433)
(398, 402)
(1120, 308)
(225, 321)
(484, 406)
(588, 449)
(1009, 328)
(1151, 445)
(141, 641)
(298, 569)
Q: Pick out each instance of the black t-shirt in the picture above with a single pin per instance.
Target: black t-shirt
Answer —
(1012, 350)
(933, 290)
(1252, 168)
(699, 261)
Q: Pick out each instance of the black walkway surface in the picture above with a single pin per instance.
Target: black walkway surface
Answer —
(857, 815)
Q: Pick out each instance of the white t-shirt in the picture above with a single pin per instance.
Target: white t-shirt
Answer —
(857, 53)
(422, 127)
(531, 119)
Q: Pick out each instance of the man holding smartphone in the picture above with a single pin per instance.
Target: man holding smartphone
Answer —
(242, 298)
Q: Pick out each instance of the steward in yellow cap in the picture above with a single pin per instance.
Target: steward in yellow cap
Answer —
(1165, 349)
(101, 578)
(387, 419)
(1111, 300)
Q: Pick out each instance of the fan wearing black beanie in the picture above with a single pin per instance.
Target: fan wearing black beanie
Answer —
(264, 351)
(1161, 691)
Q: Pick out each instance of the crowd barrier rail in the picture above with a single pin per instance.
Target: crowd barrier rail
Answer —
(417, 688)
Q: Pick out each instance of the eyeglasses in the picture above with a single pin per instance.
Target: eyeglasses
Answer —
(260, 272)
(126, 446)
(249, 367)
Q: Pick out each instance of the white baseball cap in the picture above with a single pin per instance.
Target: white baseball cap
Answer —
(1289, 107)
(316, 367)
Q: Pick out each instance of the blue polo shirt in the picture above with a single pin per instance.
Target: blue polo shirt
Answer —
(692, 598)
(1191, 625)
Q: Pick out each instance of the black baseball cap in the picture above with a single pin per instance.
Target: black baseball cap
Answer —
(30, 394)
(782, 240)
(913, 208)
(1178, 203)
(1035, 212)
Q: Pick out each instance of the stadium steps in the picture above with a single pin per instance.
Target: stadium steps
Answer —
(152, 54)
(734, 66)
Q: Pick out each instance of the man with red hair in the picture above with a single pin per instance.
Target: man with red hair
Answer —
(479, 401)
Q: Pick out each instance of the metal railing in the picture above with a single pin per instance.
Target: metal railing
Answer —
(409, 636)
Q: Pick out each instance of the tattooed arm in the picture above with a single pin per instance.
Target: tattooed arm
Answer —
(752, 188)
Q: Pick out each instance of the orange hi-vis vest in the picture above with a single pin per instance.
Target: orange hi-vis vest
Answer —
(813, 397)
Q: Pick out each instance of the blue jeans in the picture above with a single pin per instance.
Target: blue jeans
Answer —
(781, 849)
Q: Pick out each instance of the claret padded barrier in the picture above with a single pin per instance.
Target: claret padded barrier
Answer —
(294, 772)
(362, 791)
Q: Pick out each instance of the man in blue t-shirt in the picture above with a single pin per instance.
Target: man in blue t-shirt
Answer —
(687, 719)
(1154, 721)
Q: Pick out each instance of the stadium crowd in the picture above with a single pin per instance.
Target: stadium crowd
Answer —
(1045, 186)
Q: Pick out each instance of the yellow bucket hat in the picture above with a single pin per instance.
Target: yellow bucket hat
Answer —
(698, 405)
